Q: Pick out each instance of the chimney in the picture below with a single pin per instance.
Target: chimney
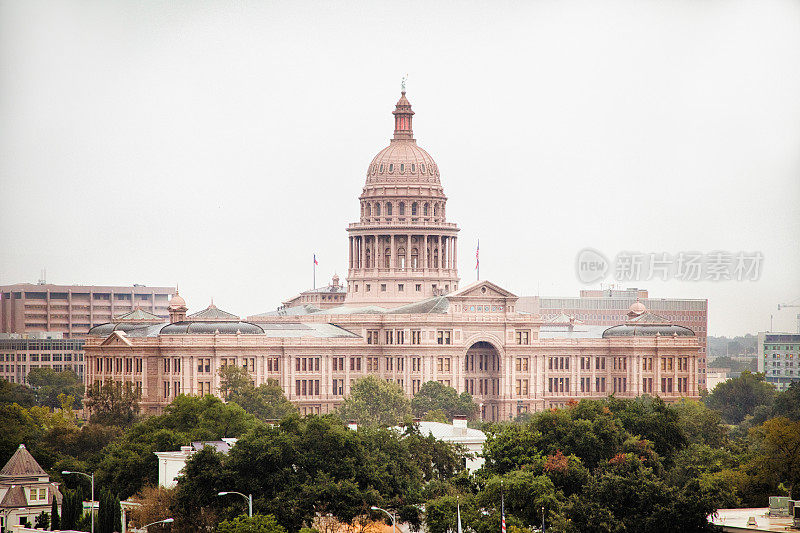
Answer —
(353, 425)
(460, 425)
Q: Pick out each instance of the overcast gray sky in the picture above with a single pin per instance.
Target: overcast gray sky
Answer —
(221, 144)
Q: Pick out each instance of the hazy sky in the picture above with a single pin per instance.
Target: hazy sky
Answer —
(221, 144)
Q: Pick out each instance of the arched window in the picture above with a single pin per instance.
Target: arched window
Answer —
(401, 209)
(391, 167)
(402, 168)
(435, 209)
(401, 258)
(414, 258)
(387, 258)
(368, 258)
(368, 210)
(388, 209)
(422, 168)
(381, 167)
(413, 167)
(436, 258)
(377, 209)
(414, 209)
(425, 209)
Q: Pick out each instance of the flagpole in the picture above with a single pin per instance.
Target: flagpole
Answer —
(314, 282)
(478, 259)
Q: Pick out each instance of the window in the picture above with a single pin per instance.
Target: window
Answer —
(600, 364)
(416, 364)
(389, 336)
(522, 336)
(416, 336)
(355, 364)
(400, 287)
(372, 336)
(522, 387)
(443, 364)
(443, 336)
(418, 286)
(522, 364)
(383, 285)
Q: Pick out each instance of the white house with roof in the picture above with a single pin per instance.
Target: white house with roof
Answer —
(170, 464)
(25, 490)
(458, 433)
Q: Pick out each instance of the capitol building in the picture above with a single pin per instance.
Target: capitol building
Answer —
(402, 315)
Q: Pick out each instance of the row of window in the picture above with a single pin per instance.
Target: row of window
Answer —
(370, 209)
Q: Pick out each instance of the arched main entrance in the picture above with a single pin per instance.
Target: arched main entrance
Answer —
(482, 378)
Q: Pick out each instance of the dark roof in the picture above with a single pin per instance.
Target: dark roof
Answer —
(15, 497)
(202, 327)
(138, 314)
(212, 312)
(22, 464)
(128, 327)
(647, 330)
(437, 304)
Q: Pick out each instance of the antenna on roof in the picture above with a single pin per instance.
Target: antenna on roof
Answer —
(43, 277)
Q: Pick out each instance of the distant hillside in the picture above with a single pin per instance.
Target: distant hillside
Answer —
(719, 346)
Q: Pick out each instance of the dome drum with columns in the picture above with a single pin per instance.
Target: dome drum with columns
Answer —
(402, 249)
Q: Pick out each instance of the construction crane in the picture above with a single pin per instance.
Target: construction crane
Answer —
(783, 306)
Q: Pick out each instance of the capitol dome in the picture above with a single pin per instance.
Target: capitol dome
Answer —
(403, 160)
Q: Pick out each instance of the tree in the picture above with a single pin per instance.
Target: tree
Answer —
(373, 401)
(265, 402)
(113, 403)
(154, 505)
(55, 519)
(234, 379)
(42, 521)
(258, 523)
(739, 397)
(128, 464)
(105, 514)
(48, 385)
(16, 393)
(778, 451)
(787, 403)
(434, 396)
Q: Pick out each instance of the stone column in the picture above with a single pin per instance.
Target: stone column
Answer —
(424, 239)
(455, 253)
(393, 253)
(408, 253)
(441, 252)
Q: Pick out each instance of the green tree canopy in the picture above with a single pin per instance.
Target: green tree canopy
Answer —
(374, 401)
(16, 393)
(435, 396)
(113, 403)
(128, 464)
(258, 523)
(233, 380)
(739, 397)
(265, 402)
(48, 385)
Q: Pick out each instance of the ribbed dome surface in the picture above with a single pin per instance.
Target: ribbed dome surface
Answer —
(403, 160)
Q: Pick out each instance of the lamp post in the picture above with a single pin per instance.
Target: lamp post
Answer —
(91, 477)
(165, 521)
(248, 497)
(390, 515)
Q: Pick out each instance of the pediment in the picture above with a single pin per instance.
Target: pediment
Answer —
(117, 338)
(482, 289)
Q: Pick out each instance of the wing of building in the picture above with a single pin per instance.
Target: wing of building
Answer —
(402, 316)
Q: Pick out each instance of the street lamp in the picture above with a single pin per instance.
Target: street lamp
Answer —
(165, 521)
(390, 515)
(248, 497)
(91, 477)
